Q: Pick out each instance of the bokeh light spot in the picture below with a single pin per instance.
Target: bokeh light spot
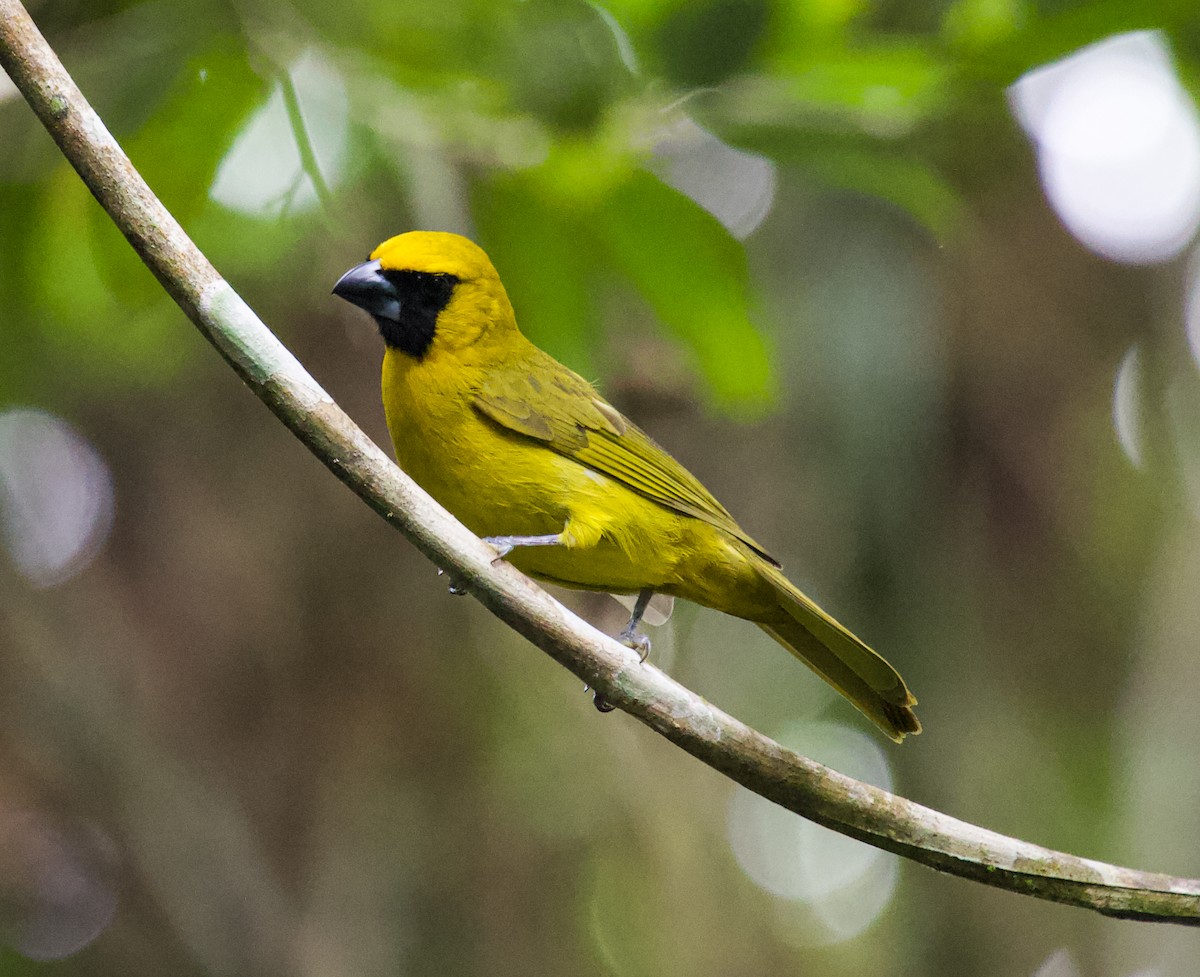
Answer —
(799, 861)
(1118, 146)
(1059, 964)
(56, 885)
(263, 174)
(1191, 308)
(1127, 405)
(736, 187)
(844, 913)
(56, 496)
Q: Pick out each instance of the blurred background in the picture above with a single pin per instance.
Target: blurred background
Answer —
(909, 284)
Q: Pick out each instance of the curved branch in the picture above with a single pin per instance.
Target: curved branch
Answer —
(725, 744)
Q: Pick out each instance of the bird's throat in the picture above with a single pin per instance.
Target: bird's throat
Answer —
(422, 297)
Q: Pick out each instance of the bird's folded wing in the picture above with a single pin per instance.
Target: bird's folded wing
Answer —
(547, 402)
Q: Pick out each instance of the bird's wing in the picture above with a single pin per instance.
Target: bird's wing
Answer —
(547, 402)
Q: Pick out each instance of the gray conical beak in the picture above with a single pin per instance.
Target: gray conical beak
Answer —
(367, 287)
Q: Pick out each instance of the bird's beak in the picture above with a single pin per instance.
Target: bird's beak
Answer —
(367, 287)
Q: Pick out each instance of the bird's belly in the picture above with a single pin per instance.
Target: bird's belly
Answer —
(615, 539)
(605, 565)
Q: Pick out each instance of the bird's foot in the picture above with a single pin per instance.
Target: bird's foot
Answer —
(501, 544)
(634, 639)
(601, 703)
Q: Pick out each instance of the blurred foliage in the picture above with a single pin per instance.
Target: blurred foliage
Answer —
(308, 759)
(589, 91)
(542, 106)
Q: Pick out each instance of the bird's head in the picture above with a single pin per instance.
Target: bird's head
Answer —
(429, 290)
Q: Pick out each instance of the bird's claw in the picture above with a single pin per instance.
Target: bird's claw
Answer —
(601, 703)
(636, 641)
(502, 547)
(457, 587)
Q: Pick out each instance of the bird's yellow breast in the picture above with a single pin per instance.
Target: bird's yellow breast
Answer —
(502, 484)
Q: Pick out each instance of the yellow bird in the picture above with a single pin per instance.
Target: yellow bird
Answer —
(529, 456)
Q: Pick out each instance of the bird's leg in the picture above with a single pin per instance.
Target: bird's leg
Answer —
(503, 546)
(506, 544)
(632, 638)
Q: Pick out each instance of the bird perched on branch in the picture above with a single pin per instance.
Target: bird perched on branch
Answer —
(529, 456)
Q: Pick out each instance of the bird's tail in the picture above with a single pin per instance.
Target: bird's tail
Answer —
(840, 658)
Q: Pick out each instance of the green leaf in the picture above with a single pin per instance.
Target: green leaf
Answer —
(555, 253)
(536, 248)
(179, 148)
(884, 89)
(909, 183)
(97, 334)
(694, 276)
(702, 43)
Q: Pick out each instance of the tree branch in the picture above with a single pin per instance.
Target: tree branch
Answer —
(725, 744)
